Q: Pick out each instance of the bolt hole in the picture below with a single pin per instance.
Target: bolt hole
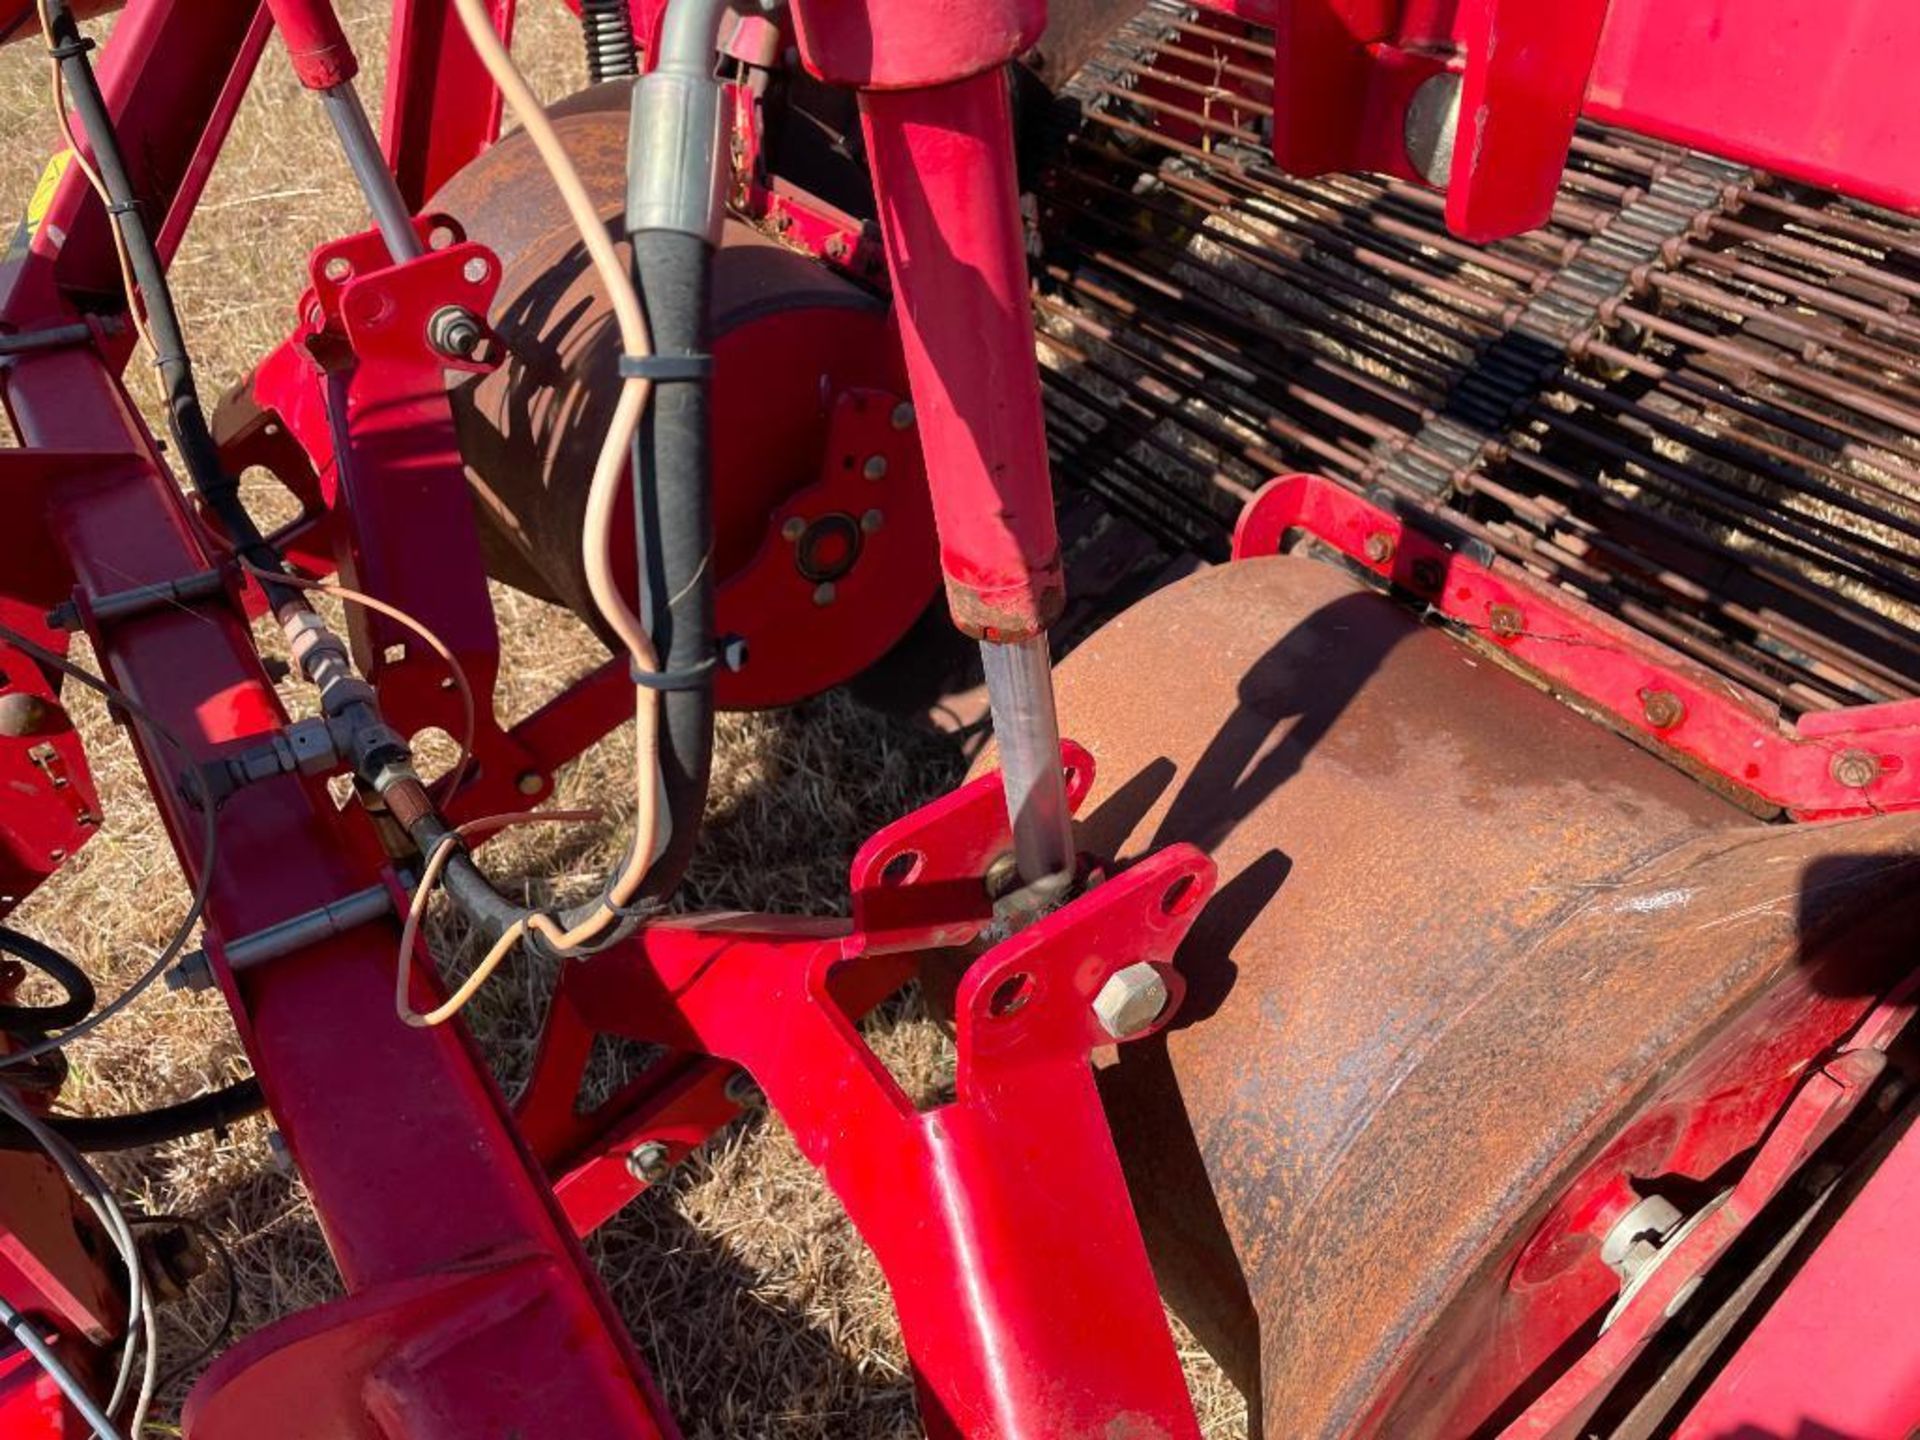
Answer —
(337, 269)
(1071, 774)
(901, 868)
(394, 654)
(441, 236)
(1180, 896)
(1010, 995)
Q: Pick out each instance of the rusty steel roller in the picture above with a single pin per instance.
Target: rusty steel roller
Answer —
(824, 546)
(1480, 977)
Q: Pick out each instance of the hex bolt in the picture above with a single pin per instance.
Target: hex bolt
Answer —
(455, 331)
(902, 416)
(823, 593)
(1663, 708)
(1855, 769)
(1003, 876)
(649, 1162)
(1131, 1000)
(1379, 547)
(793, 529)
(875, 468)
(872, 521)
(23, 714)
(192, 972)
(1506, 621)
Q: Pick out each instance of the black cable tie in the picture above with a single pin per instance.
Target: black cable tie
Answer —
(70, 49)
(691, 678)
(123, 207)
(665, 369)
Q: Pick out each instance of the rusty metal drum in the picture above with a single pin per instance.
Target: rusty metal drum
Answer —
(1479, 972)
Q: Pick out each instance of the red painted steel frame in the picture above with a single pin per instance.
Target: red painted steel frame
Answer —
(1001, 1215)
(470, 1309)
(1838, 1353)
(1806, 770)
(1813, 92)
(450, 1206)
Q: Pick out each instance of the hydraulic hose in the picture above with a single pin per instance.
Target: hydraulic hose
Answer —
(186, 418)
(675, 204)
(38, 1019)
(673, 517)
(92, 1134)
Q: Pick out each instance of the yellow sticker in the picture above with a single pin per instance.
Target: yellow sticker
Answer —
(40, 202)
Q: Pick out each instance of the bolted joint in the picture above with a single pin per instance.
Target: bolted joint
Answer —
(191, 972)
(1855, 769)
(1131, 1000)
(456, 332)
(1635, 1239)
(649, 1162)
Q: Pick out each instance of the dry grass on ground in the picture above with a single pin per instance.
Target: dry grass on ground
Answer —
(743, 1282)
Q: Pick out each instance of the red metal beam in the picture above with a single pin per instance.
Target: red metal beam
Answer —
(1838, 1353)
(411, 1159)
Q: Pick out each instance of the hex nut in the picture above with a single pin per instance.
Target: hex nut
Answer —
(1663, 708)
(455, 332)
(1131, 1000)
(192, 972)
(649, 1162)
(1506, 621)
(1855, 769)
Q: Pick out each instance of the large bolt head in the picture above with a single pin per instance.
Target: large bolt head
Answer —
(23, 714)
(1131, 1000)
(650, 1162)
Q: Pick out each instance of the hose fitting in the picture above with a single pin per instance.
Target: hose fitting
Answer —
(677, 155)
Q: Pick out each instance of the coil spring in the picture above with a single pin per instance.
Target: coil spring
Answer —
(608, 28)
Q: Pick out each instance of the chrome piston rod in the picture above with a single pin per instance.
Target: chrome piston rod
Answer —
(1027, 730)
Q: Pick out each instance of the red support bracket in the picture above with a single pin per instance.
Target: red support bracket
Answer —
(1859, 761)
(1480, 100)
(992, 1214)
(1009, 1199)
(362, 387)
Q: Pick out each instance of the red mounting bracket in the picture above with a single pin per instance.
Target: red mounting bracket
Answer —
(990, 1213)
(1858, 761)
(1372, 85)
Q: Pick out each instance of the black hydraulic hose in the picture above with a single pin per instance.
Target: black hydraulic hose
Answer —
(607, 27)
(674, 207)
(38, 1019)
(673, 516)
(186, 418)
(215, 1110)
(466, 885)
